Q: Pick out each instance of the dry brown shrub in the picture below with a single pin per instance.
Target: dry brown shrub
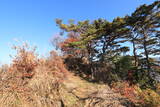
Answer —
(32, 82)
(42, 90)
(45, 88)
(150, 97)
(55, 63)
(128, 91)
(25, 61)
(12, 90)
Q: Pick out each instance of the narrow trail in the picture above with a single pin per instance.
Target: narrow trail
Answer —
(90, 94)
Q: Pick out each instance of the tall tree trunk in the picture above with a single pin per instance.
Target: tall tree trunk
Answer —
(103, 49)
(90, 61)
(134, 53)
(147, 60)
(146, 52)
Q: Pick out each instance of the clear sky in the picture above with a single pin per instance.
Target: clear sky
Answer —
(33, 20)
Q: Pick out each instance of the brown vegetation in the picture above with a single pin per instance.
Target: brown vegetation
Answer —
(33, 82)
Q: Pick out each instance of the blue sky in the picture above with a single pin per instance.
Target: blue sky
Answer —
(33, 20)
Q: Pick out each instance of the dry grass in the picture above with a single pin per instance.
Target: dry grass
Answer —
(31, 82)
(42, 90)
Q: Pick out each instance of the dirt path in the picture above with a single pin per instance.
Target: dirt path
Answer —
(77, 91)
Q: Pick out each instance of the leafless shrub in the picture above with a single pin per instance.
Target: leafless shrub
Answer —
(25, 61)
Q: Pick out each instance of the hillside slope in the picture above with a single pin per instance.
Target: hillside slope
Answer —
(49, 88)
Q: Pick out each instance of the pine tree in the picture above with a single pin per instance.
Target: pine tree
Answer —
(146, 27)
